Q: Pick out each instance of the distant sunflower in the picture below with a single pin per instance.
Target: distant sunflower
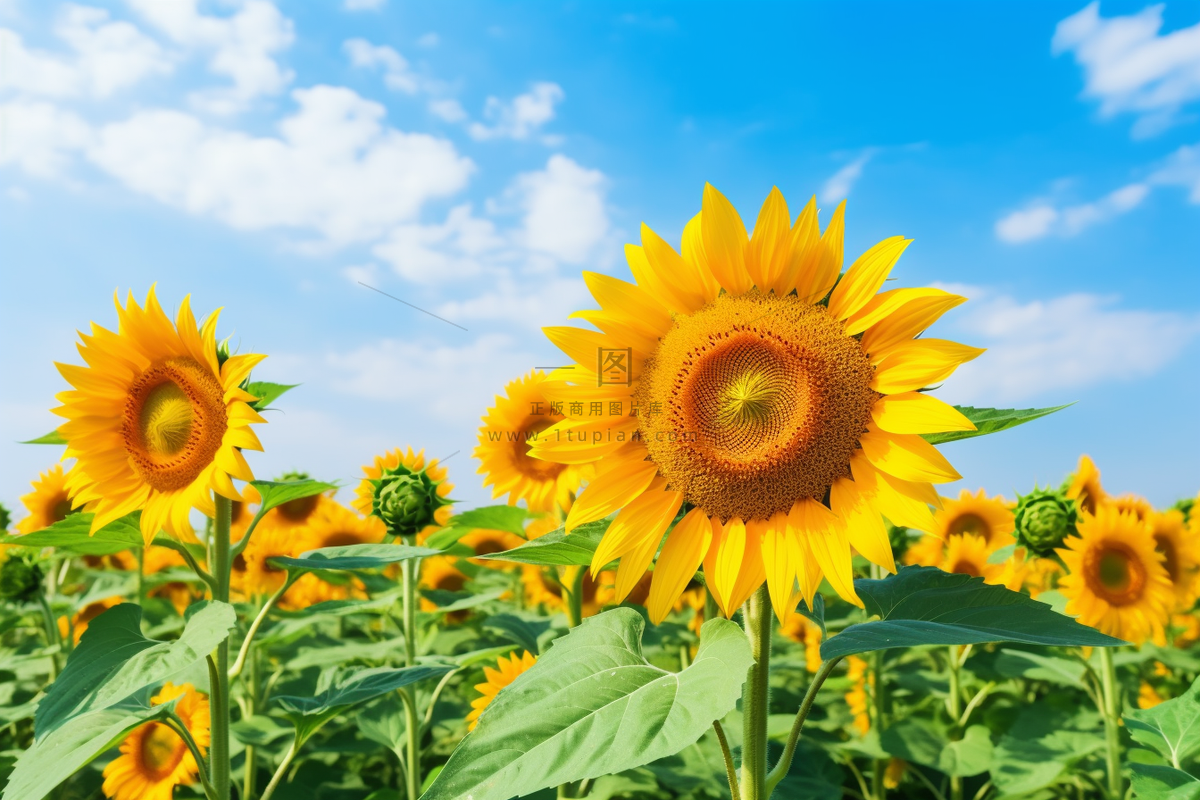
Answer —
(258, 577)
(334, 525)
(48, 503)
(157, 420)
(543, 590)
(440, 573)
(1186, 629)
(967, 554)
(507, 670)
(310, 589)
(295, 514)
(977, 514)
(1181, 556)
(484, 541)
(241, 513)
(1147, 696)
(693, 597)
(1084, 486)
(180, 594)
(754, 384)
(520, 416)
(1115, 580)
(800, 630)
(1138, 506)
(79, 621)
(415, 461)
(857, 697)
(154, 759)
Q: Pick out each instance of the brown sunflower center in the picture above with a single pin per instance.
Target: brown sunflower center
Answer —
(1115, 573)
(60, 508)
(530, 467)
(341, 539)
(488, 545)
(754, 402)
(1165, 545)
(972, 524)
(162, 750)
(965, 566)
(175, 421)
(1087, 498)
(450, 582)
(299, 510)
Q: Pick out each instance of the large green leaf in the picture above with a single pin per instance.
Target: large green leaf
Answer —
(1172, 727)
(497, 518)
(113, 660)
(558, 548)
(1154, 782)
(525, 631)
(71, 746)
(923, 605)
(53, 437)
(1042, 744)
(1037, 667)
(352, 557)
(276, 493)
(267, 392)
(71, 535)
(923, 742)
(991, 420)
(593, 705)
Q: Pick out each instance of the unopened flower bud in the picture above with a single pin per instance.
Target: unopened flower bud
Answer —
(1044, 517)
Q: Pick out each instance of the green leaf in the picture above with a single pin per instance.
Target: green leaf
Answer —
(384, 723)
(497, 518)
(1154, 782)
(923, 605)
(53, 437)
(523, 631)
(1172, 727)
(276, 493)
(71, 535)
(259, 730)
(816, 614)
(558, 548)
(71, 746)
(113, 660)
(351, 557)
(991, 420)
(923, 742)
(1037, 667)
(267, 393)
(593, 705)
(1041, 745)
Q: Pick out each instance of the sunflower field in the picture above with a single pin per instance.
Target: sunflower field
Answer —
(719, 566)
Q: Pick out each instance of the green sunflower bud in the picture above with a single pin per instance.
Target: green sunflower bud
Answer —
(5, 518)
(1044, 517)
(900, 540)
(294, 475)
(406, 500)
(19, 580)
(1186, 507)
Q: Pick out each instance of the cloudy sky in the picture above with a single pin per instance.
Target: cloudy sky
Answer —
(472, 158)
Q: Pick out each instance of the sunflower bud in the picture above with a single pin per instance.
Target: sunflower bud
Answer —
(19, 580)
(406, 500)
(1044, 517)
(5, 518)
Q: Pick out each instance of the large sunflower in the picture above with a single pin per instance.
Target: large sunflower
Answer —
(48, 503)
(977, 514)
(519, 417)
(364, 495)
(1115, 580)
(1084, 486)
(157, 420)
(1181, 556)
(154, 759)
(507, 670)
(779, 402)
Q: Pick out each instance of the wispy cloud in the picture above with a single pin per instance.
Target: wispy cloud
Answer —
(521, 117)
(838, 187)
(1131, 67)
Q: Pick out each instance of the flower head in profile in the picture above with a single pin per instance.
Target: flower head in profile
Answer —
(1180, 550)
(48, 503)
(408, 493)
(154, 758)
(518, 418)
(507, 670)
(768, 395)
(1115, 580)
(157, 420)
(1084, 486)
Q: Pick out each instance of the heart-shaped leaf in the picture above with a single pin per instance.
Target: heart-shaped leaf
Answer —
(923, 605)
(276, 493)
(1155, 782)
(593, 705)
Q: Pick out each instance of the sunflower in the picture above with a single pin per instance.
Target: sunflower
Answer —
(507, 670)
(520, 416)
(484, 542)
(157, 420)
(364, 495)
(857, 697)
(1147, 696)
(967, 554)
(48, 503)
(79, 621)
(1115, 580)
(802, 631)
(440, 573)
(991, 518)
(1187, 630)
(753, 384)
(334, 525)
(310, 589)
(542, 590)
(154, 758)
(1138, 506)
(241, 513)
(255, 575)
(894, 773)
(1181, 556)
(1084, 486)
(295, 514)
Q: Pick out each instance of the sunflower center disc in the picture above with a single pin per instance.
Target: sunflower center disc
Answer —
(162, 750)
(753, 403)
(174, 423)
(970, 523)
(1116, 574)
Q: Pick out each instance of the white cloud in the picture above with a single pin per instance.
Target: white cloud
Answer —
(1181, 168)
(564, 204)
(1130, 67)
(456, 249)
(1068, 342)
(838, 187)
(106, 57)
(39, 137)
(397, 74)
(543, 302)
(242, 47)
(1044, 219)
(363, 5)
(334, 169)
(361, 273)
(447, 109)
(430, 39)
(520, 118)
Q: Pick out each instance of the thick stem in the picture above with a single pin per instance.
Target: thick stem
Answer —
(181, 730)
(412, 753)
(412, 766)
(789, 751)
(879, 704)
(756, 696)
(955, 708)
(408, 571)
(1112, 723)
(219, 706)
(141, 579)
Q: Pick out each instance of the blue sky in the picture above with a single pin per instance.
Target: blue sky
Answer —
(473, 158)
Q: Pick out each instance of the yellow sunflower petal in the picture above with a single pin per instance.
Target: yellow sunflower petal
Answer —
(899, 315)
(864, 528)
(781, 555)
(646, 516)
(917, 412)
(681, 556)
(907, 456)
(820, 272)
(609, 491)
(725, 241)
(666, 275)
(919, 363)
(803, 248)
(769, 254)
(865, 276)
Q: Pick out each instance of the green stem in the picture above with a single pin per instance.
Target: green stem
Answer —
(575, 598)
(52, 637)
(412, 753)
(251, 766)
(141, 579)
(789, 751)
(412, 767)
(727, 755)
(756, 696)
(181, 730)
(236, 669)
(220, 701)
(1112, 723)
(879, 704)
(955, 709)
(283, 766)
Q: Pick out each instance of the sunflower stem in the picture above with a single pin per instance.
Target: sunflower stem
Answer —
(236, 669)
(756, 696)
(575, 598)
(879, 696)
(412, 753)
(282, 770)
(954, 706)
(181, 730)
(412, 767)
(727, 755)
(52, 636)
(219, 672)
(1112, 723)
(781, 769)
(251, 766)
